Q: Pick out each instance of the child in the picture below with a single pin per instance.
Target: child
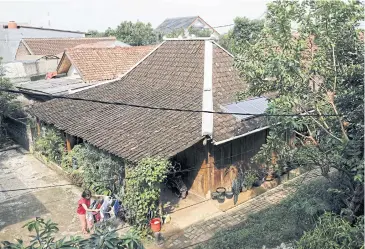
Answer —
(83, 207)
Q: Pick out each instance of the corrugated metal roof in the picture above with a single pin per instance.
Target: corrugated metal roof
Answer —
(252, 106)
(57, 86)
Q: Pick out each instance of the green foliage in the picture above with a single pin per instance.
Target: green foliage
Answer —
(244, 32)
(285, 222)
(134, 34)
(334, 232)
(51, 145)
(249, 178)
(200, 32)
(142, 190)
(318, 68)
(45, 231)
(197, 32)
(95, 33)
(100, 171)
(8, 103)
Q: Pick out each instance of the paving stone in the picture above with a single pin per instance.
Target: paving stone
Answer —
(206, 229)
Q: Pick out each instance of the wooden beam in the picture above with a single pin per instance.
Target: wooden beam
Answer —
(211, 165)
(38, 126)
(68, 142)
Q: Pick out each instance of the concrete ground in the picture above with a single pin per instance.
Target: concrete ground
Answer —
(28, 190)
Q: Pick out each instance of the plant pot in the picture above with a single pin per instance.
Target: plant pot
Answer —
(214, 195)
(221, 191)
(269, 178)
(221, 199)
(243, 189)
(257, 183)
(229, 194)
(155, 224)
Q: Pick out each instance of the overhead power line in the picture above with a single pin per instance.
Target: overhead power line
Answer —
(165, 108)
(222, 26)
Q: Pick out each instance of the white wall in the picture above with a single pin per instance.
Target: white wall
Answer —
(10, 38)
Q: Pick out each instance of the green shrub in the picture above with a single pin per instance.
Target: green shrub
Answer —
(142, 190)
(77, 153)
(333, 231)
(285, 222)
(44, 233)
(76, 178)
(51, 145)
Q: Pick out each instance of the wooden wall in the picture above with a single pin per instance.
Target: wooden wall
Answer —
(210, 165)
(235, 154)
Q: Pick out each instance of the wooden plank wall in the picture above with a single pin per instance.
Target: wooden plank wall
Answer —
(213, 166)
(235, 154)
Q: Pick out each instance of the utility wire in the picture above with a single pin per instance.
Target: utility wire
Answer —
(165, 108)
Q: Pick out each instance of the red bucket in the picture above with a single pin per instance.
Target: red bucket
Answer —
(155, 224)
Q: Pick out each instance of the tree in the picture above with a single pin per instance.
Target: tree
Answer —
(334, 232)
(317, 71)
(135, 34)
(197, 32)
(8, 103)
(104, 238)
(94, 33)
(244, 30)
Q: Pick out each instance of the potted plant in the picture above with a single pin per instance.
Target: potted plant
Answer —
(229, 194)
(214, 195)
(221, 191)
(250, 179)
(221, 198)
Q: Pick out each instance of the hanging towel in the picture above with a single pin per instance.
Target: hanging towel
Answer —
(104, 207)
(116, 207)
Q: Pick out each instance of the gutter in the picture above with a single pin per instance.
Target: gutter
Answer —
(243, 135)
(252, 132)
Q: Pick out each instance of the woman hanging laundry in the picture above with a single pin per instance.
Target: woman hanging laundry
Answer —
(83, 207)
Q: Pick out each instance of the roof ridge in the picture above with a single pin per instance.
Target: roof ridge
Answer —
(182, 17)
(111, 48)
(73, 38)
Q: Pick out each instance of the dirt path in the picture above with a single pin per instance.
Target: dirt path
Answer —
(27, 190)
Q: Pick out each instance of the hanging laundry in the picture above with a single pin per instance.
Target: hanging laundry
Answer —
(89, 215)
(97, 216)
(104, 208)
(116, 207)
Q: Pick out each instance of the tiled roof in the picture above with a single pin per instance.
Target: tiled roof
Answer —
(172, 24)
(97, 64)
(52, 46)
(171, 76)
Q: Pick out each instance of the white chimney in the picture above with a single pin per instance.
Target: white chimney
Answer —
(207, 118)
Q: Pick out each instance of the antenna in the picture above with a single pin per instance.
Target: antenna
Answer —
(49, 21)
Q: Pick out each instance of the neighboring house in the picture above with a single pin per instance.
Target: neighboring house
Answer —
(99, 64)
(181, 74)
(104, 44)
(82, 68)
(30, 68)
(53, 46)
(171, 25)
(11, 34)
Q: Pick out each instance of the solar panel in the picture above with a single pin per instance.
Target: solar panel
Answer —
(252, 106)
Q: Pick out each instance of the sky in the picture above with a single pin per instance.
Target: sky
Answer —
(84, 15)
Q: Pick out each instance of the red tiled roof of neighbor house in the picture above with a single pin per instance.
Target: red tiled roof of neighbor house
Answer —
(53, 46)
(97, 64)
(171, 76)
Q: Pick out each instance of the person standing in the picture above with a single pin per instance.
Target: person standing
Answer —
(83, 207)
